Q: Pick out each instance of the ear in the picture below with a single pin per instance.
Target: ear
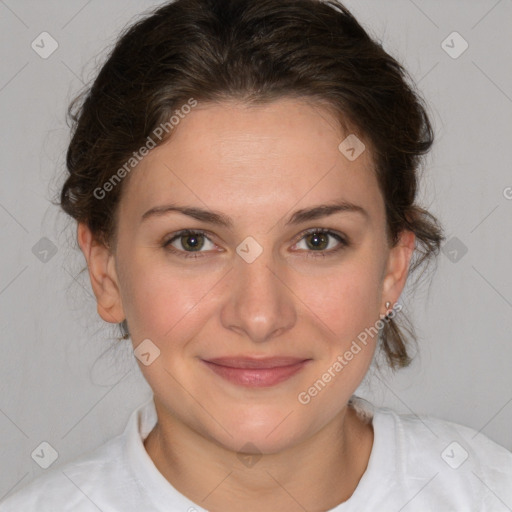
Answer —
(397, 267)
(101, 266)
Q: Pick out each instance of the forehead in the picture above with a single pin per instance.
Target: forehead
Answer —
(269, 156)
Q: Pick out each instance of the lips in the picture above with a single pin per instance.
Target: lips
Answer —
(252, 362)
(256, 372)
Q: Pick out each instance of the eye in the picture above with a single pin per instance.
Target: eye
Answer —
(190, 241)
(318, 240)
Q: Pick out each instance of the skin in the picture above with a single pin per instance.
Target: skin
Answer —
(256, 165)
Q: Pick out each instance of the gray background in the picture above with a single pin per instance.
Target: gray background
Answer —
(63, 378)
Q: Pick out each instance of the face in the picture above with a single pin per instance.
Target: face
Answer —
(273, 294)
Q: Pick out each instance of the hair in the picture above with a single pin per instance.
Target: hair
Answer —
(254, 51)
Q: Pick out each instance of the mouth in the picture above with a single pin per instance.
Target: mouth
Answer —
(256, 372)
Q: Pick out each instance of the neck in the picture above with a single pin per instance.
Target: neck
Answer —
(317, 474)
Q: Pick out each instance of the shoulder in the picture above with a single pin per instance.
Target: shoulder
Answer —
(460, 445)
(79, 485)
(454, 462)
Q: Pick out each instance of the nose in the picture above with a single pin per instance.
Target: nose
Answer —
(259, 303)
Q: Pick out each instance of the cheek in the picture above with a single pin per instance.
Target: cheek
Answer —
(346, 299)
(162, 303)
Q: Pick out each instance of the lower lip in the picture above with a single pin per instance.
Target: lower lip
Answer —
(256, 377)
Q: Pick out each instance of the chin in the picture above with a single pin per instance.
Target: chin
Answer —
(258, 443)
(261, 431)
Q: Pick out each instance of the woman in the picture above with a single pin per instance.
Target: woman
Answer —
(243, 175)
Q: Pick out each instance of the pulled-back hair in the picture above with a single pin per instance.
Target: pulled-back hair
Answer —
(254, 51)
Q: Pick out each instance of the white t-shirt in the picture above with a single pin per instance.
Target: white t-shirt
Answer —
(416, 464)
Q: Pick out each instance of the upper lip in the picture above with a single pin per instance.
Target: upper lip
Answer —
(252, 362)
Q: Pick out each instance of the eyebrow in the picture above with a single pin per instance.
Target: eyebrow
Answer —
(217, 218)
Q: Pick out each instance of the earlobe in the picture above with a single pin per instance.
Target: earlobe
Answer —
(398, 266)
(104, 281)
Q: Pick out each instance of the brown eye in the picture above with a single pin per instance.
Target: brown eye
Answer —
(321, 241)
(188, 241)
(317, 241)
(192, 242)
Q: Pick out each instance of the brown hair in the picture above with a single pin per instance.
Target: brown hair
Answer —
(255, 51)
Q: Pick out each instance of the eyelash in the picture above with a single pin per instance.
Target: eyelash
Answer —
(343, 243)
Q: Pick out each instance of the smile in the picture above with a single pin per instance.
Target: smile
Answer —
(250, 372)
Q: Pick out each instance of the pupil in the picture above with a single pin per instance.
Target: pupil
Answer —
(317, 239)
(195, 243)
